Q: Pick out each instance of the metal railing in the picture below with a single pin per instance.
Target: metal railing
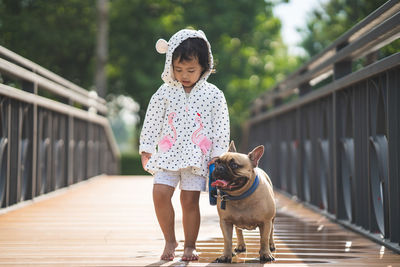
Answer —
(53, 133)
(337, 147)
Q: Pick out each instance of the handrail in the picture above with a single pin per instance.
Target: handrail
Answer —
(19, 72)
(370, 70)
(77, 93)
(376, 30)
(62, 108)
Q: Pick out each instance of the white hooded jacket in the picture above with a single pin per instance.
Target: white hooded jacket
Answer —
(183, 131)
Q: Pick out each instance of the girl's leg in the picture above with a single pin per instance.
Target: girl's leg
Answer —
(162, 195)
(191, 223)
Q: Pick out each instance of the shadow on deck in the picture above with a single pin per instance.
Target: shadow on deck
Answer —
(110, 221)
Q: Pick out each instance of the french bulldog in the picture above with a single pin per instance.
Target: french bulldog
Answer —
(244, 201)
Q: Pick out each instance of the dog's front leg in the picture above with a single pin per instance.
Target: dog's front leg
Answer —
(227, 230)
(265, 252)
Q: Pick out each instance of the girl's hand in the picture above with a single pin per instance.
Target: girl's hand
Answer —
(211, 161)
(145, 157)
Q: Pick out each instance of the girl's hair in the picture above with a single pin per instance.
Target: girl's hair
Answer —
(193, 48)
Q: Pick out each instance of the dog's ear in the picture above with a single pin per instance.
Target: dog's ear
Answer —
(232, 147)
(256, 155)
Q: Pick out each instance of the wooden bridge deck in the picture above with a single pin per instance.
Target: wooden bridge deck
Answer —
(110, 221)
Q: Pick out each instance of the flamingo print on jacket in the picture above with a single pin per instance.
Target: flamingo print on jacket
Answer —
(197, 138)
(168, 141)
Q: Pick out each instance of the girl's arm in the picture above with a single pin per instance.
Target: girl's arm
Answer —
(145, 157)
(152, 125)
(221, 127)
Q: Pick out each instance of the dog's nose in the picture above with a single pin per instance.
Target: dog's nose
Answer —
(220, 168)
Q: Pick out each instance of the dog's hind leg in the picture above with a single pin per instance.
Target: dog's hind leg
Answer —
(241, 245)
(271, 237)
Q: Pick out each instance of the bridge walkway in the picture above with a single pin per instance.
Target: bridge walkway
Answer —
(110, 221)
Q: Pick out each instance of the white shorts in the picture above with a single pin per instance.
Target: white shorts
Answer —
(188, 180)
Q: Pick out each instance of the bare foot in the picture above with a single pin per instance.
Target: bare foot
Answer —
(169, 251)
(190, 254)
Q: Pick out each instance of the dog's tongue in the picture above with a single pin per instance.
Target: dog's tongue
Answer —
(220, 183)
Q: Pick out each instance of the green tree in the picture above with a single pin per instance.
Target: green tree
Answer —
(333, 19)
(248, 49)
(134, 67)
(58, 35)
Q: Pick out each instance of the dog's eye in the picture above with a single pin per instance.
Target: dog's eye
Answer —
(233, 165)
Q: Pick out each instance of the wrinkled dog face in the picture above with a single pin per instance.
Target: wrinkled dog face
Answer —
(232, 170)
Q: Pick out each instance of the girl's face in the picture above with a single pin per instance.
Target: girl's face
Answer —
(187, 72)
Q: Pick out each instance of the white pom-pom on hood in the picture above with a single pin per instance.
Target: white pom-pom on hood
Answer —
(162, 46)
(169, 48)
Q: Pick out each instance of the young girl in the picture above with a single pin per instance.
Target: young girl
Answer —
(186, 125)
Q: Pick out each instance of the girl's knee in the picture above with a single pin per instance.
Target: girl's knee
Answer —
(190, 199)
(162, 192)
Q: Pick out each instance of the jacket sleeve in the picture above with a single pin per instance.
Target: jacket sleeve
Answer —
(152, 124)
(221, 127)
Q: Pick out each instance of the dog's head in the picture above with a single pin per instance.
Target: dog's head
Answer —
(234, 170)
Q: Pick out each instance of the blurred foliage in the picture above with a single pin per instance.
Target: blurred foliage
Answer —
(333, 19)
(131, 164)
(123, 117)
(58, 35)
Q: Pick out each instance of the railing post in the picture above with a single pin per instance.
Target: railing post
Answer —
(71, 149)
(13, 134)
(8, 179)
(342, 68)
(277, 101)
(32, 88)
(393, 99)
(34, 144)
(304, 88)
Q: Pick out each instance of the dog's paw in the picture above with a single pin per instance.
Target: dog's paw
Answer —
(272, 247)
(266, 258)
(223, 259)
(240, 248)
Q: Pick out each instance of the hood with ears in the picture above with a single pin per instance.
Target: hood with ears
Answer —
(169, 47)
